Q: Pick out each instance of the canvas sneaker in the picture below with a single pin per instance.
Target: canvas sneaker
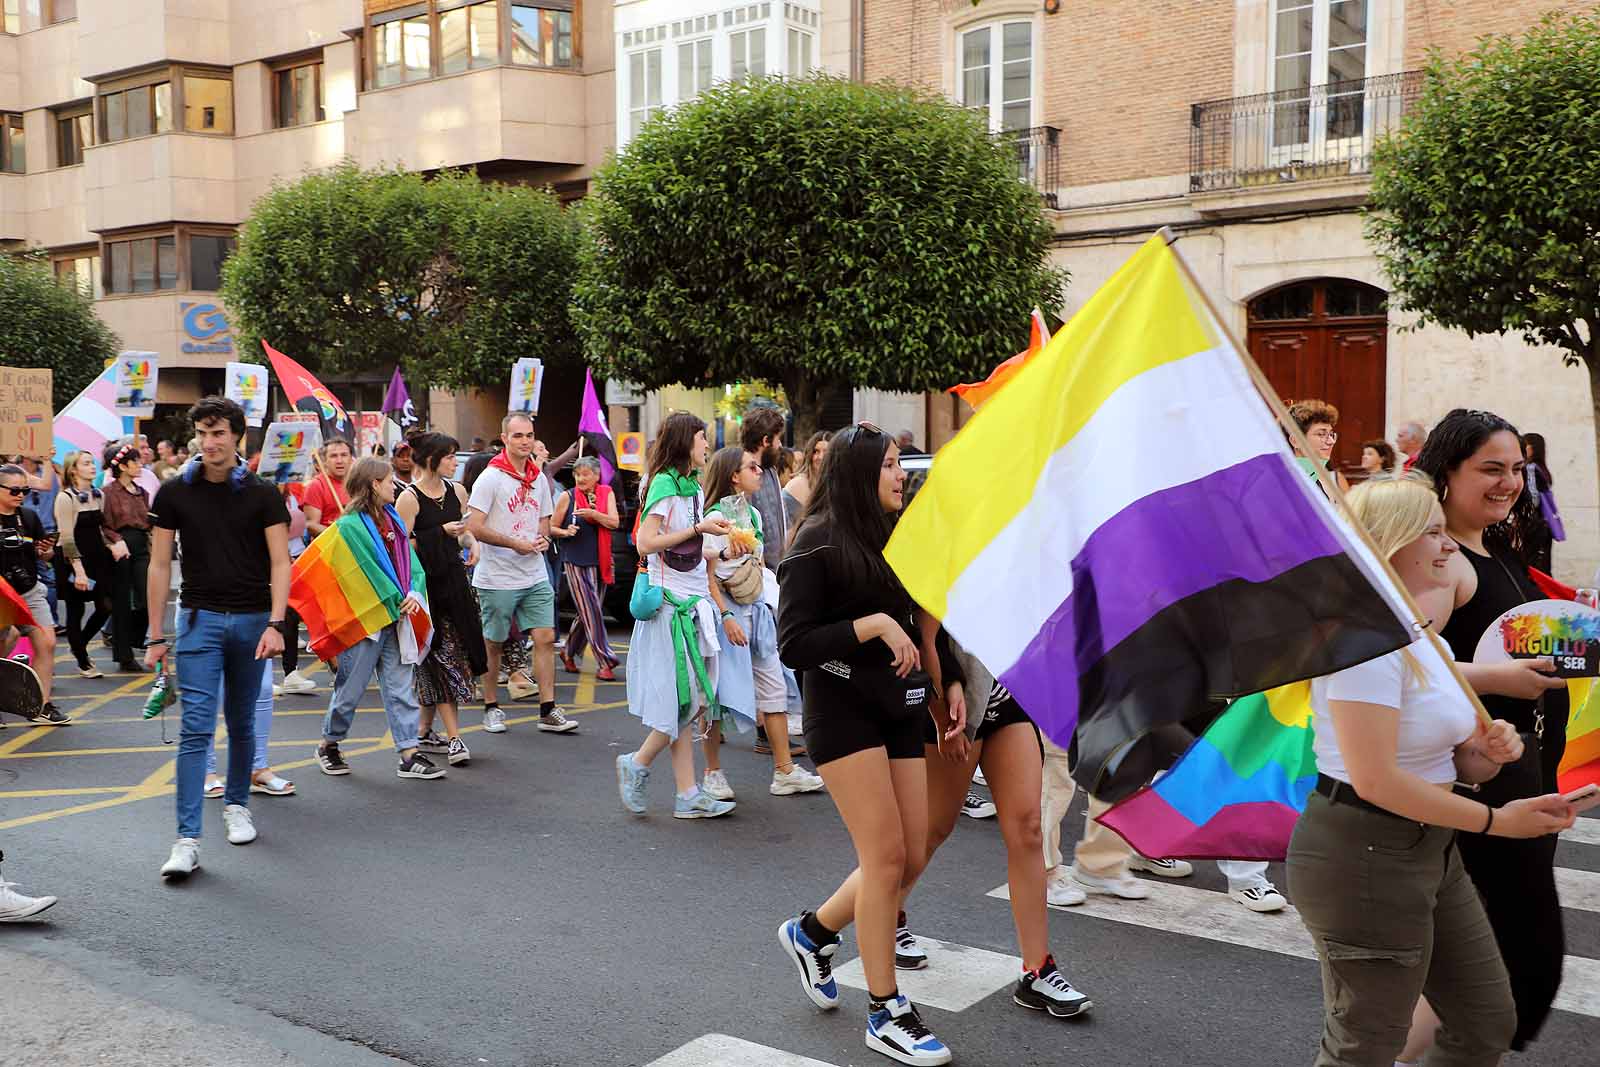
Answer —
(795, 780)
(418, 766)
(908, 955)
(1047, 989)
(814, 961)
(184, 861)
(241, 828)
(1160, 868)
(715, 784)
(433, 743)
(978, 807)
(1125, 887)
(456, 753)
(295, 682)
(494, 720)
(557, 723)
(631, 780)
(895, 1029)
(329, 759)
(16, 907)
(1263, 897)
(701, 806)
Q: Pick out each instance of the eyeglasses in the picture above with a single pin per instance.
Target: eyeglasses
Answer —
(1324, 435)
(15, 490)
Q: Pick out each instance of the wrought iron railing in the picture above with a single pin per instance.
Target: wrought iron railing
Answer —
(1038, 158)
(1324, 131)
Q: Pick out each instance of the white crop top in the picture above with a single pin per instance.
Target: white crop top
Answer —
(1435, 715)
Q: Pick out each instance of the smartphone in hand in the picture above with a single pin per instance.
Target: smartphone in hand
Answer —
(1584, 797)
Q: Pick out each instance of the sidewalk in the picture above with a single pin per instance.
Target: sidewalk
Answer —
(56, 1015)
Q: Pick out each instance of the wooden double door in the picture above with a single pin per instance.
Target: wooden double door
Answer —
(1327, 339)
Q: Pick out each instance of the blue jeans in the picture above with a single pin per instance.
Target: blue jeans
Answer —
(263, 725)
(396, 683)
(213, 648)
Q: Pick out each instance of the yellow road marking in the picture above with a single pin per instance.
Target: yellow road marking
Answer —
(98, 702)
(65, 792)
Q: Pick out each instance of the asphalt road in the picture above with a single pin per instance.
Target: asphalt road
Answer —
(512, 914)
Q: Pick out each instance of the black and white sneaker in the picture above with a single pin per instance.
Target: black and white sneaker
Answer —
(908, 955)
(1047, 989)
(329, 759)
(895, 1029)
(418, 766)
(432, 742)
(457, 752)
(49, 715)
(978, 807)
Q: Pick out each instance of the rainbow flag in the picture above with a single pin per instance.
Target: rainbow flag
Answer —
(977, 393)
(345, 592)
(1122, 534)
(13, 609)
(1238, 790)
(1580, 763)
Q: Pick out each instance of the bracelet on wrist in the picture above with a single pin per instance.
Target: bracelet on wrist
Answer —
(727, 614)
(1490, 824)
(154, 641)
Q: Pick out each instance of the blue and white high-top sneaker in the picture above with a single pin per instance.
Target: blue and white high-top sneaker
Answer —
(814, 961)
(895, 1029)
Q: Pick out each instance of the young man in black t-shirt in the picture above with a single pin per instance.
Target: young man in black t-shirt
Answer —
(235, 533)
(23, 543)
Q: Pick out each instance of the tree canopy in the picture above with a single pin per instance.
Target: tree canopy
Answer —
(1486, 205)
(457, 278)
(45, 323)
(809, 232)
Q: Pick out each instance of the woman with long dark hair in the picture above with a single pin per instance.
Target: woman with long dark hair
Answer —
(433, 506)
(1539, 537)
(88, 562)
(125, 523)
(804, 481)
(848, 625)
(1476, 461)
(672, 665)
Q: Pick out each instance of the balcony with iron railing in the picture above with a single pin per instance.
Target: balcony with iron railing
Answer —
(1295, 135)
(1038, 158)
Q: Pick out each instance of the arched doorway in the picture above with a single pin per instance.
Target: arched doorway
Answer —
(1327, 338)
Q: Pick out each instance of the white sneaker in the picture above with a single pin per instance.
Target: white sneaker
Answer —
(797, 780)
(185, 859)
(715, 785)
(979, 807)
(295, 682)
(15, 907)
(241, 829)
(1160, 868)
(1062, 892)
(978, 778)
(1126, 887)
(494, 721)
(1263, 897)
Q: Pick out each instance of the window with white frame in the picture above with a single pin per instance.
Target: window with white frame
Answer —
(800, 49)
(694, 68)
(748, 49)
(644, 87)
(995, 73)
(1319, 64)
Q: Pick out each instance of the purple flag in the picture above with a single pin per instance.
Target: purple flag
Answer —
(592, 424)
(397, 401)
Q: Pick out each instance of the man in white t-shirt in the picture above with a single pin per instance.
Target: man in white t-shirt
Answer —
(509, 514)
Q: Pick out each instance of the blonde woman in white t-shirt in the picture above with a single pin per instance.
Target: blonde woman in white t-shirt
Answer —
(1372, 865)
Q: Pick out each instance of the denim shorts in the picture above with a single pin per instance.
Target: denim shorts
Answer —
(533, 608)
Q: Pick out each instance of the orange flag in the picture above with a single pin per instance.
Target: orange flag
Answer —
(977, 393)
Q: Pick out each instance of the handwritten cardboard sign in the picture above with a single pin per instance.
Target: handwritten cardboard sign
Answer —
(25, 412)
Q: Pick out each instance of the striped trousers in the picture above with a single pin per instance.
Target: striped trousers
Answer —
(589, 627)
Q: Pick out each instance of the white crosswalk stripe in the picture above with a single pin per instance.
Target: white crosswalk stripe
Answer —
(720, 1050)
(1585, 831)
(962, 977)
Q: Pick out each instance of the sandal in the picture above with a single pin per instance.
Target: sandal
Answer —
(214, 787)
(273, 787)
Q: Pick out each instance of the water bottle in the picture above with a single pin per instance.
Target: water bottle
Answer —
(161, 695)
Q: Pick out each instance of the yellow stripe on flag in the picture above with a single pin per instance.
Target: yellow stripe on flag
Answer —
(1142, 318)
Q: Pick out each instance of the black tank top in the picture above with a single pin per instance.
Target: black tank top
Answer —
(438, 551)
(1503, 583)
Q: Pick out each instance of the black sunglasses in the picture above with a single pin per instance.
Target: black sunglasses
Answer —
(15, 490)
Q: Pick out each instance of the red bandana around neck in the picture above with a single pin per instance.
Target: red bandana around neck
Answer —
(502, 462)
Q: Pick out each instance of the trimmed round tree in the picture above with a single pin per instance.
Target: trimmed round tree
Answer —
(809, 233)
(349, 270)
(45, 323)
(1486, 206)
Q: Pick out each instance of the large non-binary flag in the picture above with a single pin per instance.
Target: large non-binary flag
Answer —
(978, 393)
(307, 393)
(1121, 533)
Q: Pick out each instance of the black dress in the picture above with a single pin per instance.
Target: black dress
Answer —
(457, 655)
(1516, 877)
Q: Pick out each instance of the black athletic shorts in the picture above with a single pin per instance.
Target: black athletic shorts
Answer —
(850, 708)
(995, 717)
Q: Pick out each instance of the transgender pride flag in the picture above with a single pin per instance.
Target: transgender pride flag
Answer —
(90, 420)
(1122, 535)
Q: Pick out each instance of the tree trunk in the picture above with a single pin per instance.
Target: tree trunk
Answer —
(804, 404)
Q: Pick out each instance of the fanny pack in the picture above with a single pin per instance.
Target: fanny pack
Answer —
(747, 581)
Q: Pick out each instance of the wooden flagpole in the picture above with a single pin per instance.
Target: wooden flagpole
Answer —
(1329, 484)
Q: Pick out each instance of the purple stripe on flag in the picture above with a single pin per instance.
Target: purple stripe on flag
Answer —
(1248, 523)
(1257, 830)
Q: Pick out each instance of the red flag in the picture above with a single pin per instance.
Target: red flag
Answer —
(975, 393)
(13, 609)
(306, 393)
